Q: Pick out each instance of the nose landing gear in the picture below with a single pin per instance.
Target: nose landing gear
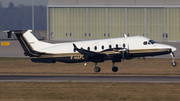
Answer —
(174, 64)
(173, 61)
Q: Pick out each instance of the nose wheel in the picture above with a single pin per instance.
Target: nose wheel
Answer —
(174, 64)
(173, 60)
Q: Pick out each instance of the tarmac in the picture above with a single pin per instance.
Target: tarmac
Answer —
(130, 79)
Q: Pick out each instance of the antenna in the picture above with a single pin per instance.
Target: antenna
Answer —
(124, 35)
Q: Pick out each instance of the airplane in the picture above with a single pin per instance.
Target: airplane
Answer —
(114, 49)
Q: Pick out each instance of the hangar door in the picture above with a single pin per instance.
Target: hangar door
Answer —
(116, 22)
(82, 23)
(96, 23)
(77, 23)
(58, 23)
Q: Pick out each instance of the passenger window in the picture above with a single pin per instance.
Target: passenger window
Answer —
(95, 48)
(124, 45)
(88, 48)
(102, 47)
(145, 43)
(110, 46)
(116, 45)
(152, 42)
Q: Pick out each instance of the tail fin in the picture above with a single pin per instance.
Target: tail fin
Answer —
(29, 42)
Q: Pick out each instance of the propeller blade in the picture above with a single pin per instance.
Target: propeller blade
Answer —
(128, 51)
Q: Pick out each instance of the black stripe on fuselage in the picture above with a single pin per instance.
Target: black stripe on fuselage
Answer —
(76, 57)
(148, 54)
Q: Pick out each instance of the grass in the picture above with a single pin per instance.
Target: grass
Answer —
(97, 91)
(135, 67)
(89, 91)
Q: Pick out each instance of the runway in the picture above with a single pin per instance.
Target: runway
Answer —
(134, 79)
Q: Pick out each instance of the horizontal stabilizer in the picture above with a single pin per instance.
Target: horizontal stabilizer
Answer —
(10, 32)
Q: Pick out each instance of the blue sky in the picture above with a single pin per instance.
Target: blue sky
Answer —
(5, 3)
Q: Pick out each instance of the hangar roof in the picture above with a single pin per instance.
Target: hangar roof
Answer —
(114, 2)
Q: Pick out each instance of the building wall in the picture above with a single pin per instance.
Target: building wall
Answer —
(83, 20)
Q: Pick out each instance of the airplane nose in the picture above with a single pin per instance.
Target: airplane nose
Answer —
(173, 49)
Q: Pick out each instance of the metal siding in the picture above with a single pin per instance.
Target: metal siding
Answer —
(155, 23)
(51, 22)
(113, 2)
(171, 23)
(174, 27)
(135, 21)
(55, 23)
(178, 24)
(94, 21)
(116, 22)
(78, 23)
(60, 23)
(97, 23)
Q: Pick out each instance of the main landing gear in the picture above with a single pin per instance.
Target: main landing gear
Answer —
(98, 69)
(173, 60)
(114, 68)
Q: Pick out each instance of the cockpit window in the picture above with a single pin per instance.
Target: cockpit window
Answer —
(145, 43)
(152, 41)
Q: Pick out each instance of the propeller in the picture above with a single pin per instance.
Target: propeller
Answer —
(124, 45)
(125, 50)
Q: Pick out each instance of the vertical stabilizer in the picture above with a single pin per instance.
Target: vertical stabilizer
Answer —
(32, 40)
(29, 42)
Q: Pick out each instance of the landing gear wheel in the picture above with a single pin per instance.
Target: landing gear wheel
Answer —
(115, 69)
(97, 69)
(174, 64)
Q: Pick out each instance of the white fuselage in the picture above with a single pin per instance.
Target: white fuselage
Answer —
(132, 43)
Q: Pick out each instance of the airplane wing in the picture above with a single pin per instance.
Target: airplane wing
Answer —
(89, 53)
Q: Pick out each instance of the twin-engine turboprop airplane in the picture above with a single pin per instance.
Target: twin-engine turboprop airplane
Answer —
(115, 49)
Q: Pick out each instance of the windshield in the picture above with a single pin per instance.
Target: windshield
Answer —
(152, 41)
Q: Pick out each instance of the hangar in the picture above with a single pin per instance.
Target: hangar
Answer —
(99, 19)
